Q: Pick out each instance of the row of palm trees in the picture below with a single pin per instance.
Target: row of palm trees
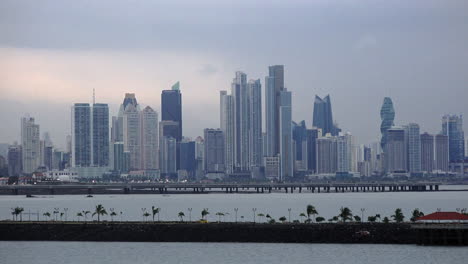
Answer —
(345, 215)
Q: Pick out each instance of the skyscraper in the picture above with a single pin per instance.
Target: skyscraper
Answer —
(241, 116)
(222, 109)
(344, 148)
(442, 152)
(117, 121)
(132, 135)
(171, 108)
(214, 150)
(427, 152)
(452, 126)
(149, 139)
(188, 160)
(100, 134)
(312, 135)
(395, 150)
(326, 155)
(323, 117)
(121, 158)
(255, 127)
(387, 114)
(30, 144)
(81, 135)
(14, 160)
(414, 148)
(286, 146)
(227, 126)
(300, 145)
(274, 85)
(90, 135)
(168, 155)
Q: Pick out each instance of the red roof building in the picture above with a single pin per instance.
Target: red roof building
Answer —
(444, 217)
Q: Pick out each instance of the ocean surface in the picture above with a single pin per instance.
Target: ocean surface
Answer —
(216, 253)
(133, 206)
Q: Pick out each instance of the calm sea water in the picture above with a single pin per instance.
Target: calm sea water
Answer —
(207, 253)
(275, 204)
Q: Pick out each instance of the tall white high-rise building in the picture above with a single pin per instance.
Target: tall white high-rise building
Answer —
(227, 126)
(344, 151)
(270, 115)
(149, 139)
(414, 147)
(30, 143)
(255, 128)
(132, 135)
(241, 117)
(326, 154)
(222, 109)
(285, 133)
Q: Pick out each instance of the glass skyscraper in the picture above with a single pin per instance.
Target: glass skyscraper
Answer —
(387, 114)
(171, 108)
(452, 126)
(323, 117)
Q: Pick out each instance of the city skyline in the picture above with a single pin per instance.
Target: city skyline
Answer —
(367, 52)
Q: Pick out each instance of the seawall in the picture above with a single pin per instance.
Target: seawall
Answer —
(376, 233)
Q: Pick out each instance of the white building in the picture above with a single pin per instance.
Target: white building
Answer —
(132, 135)
(255, 127)
(30, 144)
(149, 139)
(414, 147)
(285, 133)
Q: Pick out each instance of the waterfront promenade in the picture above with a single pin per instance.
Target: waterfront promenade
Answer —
(164, 188)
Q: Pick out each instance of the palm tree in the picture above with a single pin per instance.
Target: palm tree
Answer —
(302, 215)
(112, 215)
(146, 215)
(282, 219)
(416, 215)
(181, 216)
(56, 211)
(100, 210)
(345, 214)
(319, 219)
(260, 215)
(17, 211)
(311, 211)
(86, 213)
(377, 216)
(155, 211)
(46, 214)
(205, 213)
(219, 214)
(79, 215)
(398, 216)
(386, 220)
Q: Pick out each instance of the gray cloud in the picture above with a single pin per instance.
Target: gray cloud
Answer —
(414, 51)
(208, 69)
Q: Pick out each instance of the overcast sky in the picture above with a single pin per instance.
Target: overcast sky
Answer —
(54, 52)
